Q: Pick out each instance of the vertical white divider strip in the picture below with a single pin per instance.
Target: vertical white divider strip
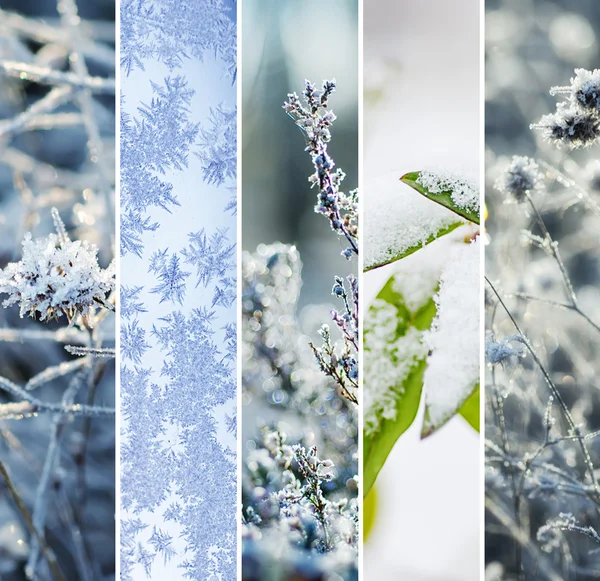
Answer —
(239, 288)
(361, 302)
(117, 254)
(482, 291)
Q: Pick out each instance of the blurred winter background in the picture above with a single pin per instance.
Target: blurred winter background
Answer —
(45, 161)
(531, 46)
(421, 82)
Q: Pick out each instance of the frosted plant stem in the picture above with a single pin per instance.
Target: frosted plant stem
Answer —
(80, 460)
(48, 76)
(65, 335)
(498, 409)
(87, 570)
(54, 99)
(553, 246)
(575, 429)
(521, 537)
(557, 304)
(46, 551)
(563, 271)
(569, 183)
(69, 17)
(42, 497)
(38, 406)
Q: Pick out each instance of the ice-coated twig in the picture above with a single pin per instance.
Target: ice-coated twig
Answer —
(54, 99)
(38, 406)
(71, 20)
(313, 118)
(40, 505)
(25, 514)
(48, 76)
(54, 371)
(93, 351)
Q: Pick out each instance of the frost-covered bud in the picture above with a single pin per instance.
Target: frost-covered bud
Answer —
(521, 177)
(338, 289)
(569, 126)
(501, 351)
(584, 89)
(56, 276)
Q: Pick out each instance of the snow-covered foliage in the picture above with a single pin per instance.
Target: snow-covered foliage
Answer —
(57, 101)
(542, 316)
(300, 475)
(422, 328)
(178, 294)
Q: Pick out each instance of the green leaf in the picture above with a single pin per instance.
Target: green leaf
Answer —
(429, 428)
(378, 442)
(370, 510)
(442, 198)
(398, 255)
(470, 409)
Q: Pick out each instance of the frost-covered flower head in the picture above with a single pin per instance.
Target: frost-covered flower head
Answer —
(569, 126)
(522, 176)
(576, 122)
(502, 351)
(584, 89)
(56, 276)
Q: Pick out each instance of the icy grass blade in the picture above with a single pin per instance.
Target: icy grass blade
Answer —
(455, 194)
(470, 409)
(395, 361)
(398, 222)
(453, 367)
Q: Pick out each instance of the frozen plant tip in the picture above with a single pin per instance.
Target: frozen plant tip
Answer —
(502, 351)
(584, 89)
(57, 276)
(315, 121)
(522, 176)
(576, 122)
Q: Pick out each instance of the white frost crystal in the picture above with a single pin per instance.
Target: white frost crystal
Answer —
(453, 367)
(56, 276)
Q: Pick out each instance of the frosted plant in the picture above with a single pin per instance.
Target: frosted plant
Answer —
(57, 436)
(341, 209)
(542, 490)
(299, 489)
(57, 277)
(422, 330)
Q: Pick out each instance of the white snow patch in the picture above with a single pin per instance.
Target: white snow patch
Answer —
(398, 218)
(453, 368)
(463, 190)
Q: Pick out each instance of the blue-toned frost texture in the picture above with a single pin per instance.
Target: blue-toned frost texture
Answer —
(178, 289)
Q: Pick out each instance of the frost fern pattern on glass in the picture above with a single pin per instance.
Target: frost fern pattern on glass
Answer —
(178, 293)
